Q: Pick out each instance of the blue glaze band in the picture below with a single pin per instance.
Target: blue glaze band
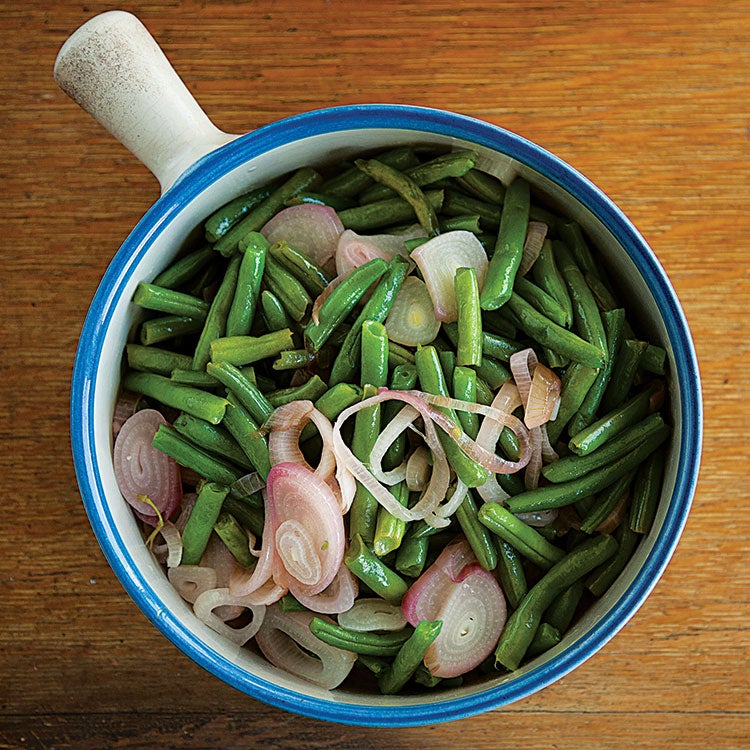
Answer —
(196, 180)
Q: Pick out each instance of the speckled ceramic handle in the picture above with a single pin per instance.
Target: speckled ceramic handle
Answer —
(113, 68)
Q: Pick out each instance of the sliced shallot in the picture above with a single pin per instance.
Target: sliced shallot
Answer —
(338, 596)
(191, 581)
(213, 599)
(142, 470)
(285, 640)
(373, 614)
(354, 249)
(532, 246)
(412, 320)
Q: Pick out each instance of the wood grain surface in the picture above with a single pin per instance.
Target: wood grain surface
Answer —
(650, 100)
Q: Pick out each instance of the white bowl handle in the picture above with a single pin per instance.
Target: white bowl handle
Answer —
(113, 68)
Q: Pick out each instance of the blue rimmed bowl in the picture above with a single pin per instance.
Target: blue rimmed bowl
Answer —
(200, 168)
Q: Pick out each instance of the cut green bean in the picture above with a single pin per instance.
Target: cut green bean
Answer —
(555, 337)
(310, 390)
(216, 321)
(561, 612)
(612, 424)
(156, 330)
(191, 400)
(187, 454)
(373, 572)
(465, 389)
(235, 538)
(459, 204)
(565, 493)
(572, 235)
(359, 642)
(312, 277)
(493, 372)
(257, 217)
(506, 258)
(605, 503)
(293, 359)
(511, 573)
(330, 404)
(342, 301)
(466, 223)
(476, 533)
(604, 298)
(623, 373)
(246, 391)
(571, 467)
(646, 493)
(545, 638)
(275, 316)
(385, 213)
(494, 345)
(184, 269)
(547, 276)
(221, 221)
(374, 364)
(389, 530)
(287, 288)
(522, 625)
(336, 202)
(403, 378)
(194, 378)
(654, 359)
(602, 578)
(575, 384)
(432, 380)
(213, 438)
(201, 521)
(244, 350)
(153, 359)
(248, 435)
(469, 324)
(162, 299)
(247, 292)
(484, 186)
(249, 516)
(409, 657)
(545, 303)
(529, 542)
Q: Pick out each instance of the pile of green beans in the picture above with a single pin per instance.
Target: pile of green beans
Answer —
(227, 336)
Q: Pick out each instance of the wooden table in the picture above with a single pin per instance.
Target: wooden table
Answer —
(648, 99)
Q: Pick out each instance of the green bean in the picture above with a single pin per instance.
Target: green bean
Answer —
(522, 625)
(646, 493)
(213, 438)
(221, 221)
(602, 578)
(469, 347)
(409, 657)
(465, 389)
(561, 612)
(623, 373)
(458, 204)
(248, 435)
(605, 503)
(244, 350)
(545, 638)
(376, 308)
(529, 542)
(288, 603)
(464, 223)
(373, 572)
(256, 218)
(411, 556)
(310, 390)
(249, 516)
(493, 345)
(453, 164)
(570, 467)
(216, 321)
(161, 299)
(493, 372)
(387, 212)
(484, 186)
(549, 334)
(194, 378)
(399, 355)
(304, 269)
(363, 514)
(614, 321)
(247, 392)
(476, 533)
(448, 364)
(376, 664)
(575, 384)
(547, 276)
(293, 359)
(360, 642)
(604, 298)
(201, 521)
(336, 202)
(235, 539)
(484, 392)
(182, 270)
(432, 380)
(586, 317)
(337, 398)
(506, 258)
(374, 363)
(247, 292)
(342, 300)
(389, 530)
(510, 572)
(353, 181)
(290, 292)
(565, 493)
(191, 400)
(156, 330)
(572, 235)
(541, 300)
(403, 378)
(275, 316)
(654, 359)
(613, 423)
(153, 359)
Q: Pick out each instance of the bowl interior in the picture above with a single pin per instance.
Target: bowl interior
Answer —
(315, 139)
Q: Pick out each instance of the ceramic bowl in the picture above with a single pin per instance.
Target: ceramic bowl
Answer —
(116, 71)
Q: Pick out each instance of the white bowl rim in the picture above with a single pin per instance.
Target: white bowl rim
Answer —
(417, 119)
